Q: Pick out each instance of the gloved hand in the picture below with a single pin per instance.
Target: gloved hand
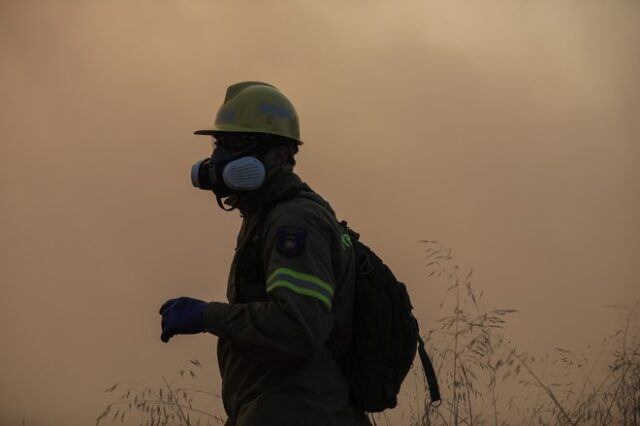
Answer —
(183, 315)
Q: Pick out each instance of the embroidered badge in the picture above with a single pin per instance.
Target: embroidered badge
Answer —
(290, 240)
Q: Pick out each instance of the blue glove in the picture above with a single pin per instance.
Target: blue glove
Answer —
(183, 315)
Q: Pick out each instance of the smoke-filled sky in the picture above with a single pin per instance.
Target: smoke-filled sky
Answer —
(506, 130)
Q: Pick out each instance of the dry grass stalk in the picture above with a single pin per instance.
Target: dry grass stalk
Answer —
(474, 359)
(170, 404)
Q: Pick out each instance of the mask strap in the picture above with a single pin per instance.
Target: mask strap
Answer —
(258, 152)
(219, 200)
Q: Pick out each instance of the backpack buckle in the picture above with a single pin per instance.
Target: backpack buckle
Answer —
(366, 267)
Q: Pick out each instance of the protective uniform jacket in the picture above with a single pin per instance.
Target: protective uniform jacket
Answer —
(290, 293)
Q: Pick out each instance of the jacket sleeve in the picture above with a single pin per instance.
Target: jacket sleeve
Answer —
(296, 319)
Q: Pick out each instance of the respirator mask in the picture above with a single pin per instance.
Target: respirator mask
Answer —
(226, 174)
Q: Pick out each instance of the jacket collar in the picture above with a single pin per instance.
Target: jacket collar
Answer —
(278, 181)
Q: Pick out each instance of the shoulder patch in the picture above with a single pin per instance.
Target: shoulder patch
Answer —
(290, 240)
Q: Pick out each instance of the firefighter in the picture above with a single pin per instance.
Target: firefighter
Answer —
(288, 320)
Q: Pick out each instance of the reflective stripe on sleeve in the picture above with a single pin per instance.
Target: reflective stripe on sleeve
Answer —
(305, 284)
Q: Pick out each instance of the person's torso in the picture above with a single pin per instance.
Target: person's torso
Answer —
(305, 391)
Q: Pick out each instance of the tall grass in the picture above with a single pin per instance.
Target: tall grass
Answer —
(485, 379)
(174, 402)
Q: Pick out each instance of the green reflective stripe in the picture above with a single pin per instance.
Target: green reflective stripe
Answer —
(300, 290)
(300, 276)
(298, 282)
(345, 240)
(303, 284)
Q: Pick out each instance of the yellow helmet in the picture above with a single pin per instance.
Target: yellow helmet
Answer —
(256, 107)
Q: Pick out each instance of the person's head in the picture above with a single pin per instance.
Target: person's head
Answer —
(255, 129)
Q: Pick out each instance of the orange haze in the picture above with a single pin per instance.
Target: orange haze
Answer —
(508, 130)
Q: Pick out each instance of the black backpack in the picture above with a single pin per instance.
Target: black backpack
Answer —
(385, 335)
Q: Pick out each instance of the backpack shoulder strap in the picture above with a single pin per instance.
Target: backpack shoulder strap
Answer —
(429, 372)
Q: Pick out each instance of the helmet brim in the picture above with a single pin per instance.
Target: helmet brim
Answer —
(213, 132)
(209, 132)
